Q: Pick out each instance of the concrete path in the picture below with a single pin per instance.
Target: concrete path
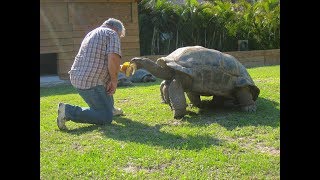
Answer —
(51, 80)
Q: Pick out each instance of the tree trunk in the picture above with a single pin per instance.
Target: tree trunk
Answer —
(177, 39)
(153, 41)
(168, 49)
(213, 38)
(205, 37)
(220, 43)
(158, 48)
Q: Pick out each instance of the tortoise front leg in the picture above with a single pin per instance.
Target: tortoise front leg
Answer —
(162, 84)
(177, 99)
(164, 91)
(245, 100)
(194, 99)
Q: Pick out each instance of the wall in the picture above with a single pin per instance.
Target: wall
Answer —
(64, 23)
(248, 58)
(257, 57)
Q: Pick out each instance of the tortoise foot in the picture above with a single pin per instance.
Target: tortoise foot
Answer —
(249, 108)
(178, 114)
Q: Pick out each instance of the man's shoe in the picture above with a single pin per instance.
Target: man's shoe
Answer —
(61, 119)
(117, 112)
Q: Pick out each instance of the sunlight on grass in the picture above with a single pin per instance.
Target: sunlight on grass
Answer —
(148, 143)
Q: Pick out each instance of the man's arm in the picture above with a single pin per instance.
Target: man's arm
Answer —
(113, 67)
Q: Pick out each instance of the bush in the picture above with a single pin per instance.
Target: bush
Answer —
(165, 26)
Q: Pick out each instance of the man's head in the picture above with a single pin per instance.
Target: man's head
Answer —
(116, 25)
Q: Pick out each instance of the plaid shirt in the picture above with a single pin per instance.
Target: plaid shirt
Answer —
(90, 67)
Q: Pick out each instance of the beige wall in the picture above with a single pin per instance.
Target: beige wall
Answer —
(64, 23)
(257, 57)
(249, 58)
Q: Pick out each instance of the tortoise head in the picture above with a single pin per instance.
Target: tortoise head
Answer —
(152, 67)
(139, 61)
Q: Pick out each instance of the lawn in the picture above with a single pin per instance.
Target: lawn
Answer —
(148, 143)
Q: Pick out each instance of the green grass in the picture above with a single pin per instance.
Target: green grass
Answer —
(148, 143)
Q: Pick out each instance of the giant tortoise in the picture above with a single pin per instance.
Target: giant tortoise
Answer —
(200, 71)
(123, 80)
(142, 75)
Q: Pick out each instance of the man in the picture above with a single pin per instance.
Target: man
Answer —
(94, 74)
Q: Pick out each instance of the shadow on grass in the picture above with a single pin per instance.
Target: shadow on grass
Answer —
(267, 114)
(124, 129)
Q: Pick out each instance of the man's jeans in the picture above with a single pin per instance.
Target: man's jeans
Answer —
(100, 107)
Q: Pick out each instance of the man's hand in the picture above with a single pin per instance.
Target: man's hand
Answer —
(111, 88)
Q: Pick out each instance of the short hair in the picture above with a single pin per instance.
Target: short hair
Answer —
(116, 24)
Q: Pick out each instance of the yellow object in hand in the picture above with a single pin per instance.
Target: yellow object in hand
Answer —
(131, 69)
(124, 66)
(128, 68)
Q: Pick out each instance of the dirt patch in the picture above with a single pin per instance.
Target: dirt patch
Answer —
(251, 145)
(131, 168)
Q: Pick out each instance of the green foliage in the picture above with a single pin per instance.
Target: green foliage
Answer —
(147, 143)
(165, 26)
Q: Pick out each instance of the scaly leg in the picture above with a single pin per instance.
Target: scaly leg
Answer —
(177, 99)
